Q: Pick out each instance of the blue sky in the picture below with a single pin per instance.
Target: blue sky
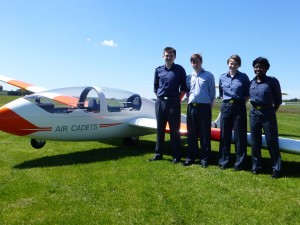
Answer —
(118, 44)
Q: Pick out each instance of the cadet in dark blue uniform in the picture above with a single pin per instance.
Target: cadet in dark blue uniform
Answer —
(265, 97)
(170, 88)
(234, 90)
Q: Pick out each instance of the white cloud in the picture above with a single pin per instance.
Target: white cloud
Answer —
(109, 43)
(88, 39)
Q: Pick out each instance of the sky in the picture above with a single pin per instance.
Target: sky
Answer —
(113, 43)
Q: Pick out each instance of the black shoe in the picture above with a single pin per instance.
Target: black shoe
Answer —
(236, 168)
(275, 174)
(204, 165)
(255, 172)
(223, 167)
(155, 159)
(188, 163)
(175, 161)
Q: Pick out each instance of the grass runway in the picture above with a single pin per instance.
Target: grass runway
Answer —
(108, 183)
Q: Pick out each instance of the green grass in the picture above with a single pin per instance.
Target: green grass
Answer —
(108, 183)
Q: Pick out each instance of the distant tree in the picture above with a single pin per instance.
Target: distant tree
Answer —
(293, 100)
(19, 92)
(14, 93)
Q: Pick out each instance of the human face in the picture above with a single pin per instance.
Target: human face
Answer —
(233, 66)
(260, 69)
(169, 58)
(196, 64)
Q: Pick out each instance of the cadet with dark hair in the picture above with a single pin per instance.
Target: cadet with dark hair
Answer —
(201, 96)
(266, 98)
(234, 90)
(170, 88)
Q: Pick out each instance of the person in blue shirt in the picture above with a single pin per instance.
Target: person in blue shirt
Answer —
(266, 98)
(234, 91)
(201, 95)
(170, 88)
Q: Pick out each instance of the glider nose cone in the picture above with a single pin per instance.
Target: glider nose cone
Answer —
(13, 123)
(9, 121)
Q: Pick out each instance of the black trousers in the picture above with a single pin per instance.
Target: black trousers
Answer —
(233, 117)
(199, 124)
(264, 119)
(168, 111)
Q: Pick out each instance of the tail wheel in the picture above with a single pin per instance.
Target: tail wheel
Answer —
(37, 144)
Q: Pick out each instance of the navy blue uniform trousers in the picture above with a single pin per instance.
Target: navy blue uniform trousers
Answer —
(168, 111)
(264, 119)
(199, 124)
(233, 116)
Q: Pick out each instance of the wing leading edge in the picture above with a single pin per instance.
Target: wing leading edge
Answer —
(68, 100)
(151, 124)
(22, 84)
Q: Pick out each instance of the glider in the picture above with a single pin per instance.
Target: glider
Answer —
(90, 114)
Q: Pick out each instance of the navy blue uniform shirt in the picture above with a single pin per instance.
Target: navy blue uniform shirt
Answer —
(236, 87)
(267, 92)
(169, 82)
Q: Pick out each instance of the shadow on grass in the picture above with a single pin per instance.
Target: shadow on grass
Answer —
(118, 151)
(115, 152)
(289, 169)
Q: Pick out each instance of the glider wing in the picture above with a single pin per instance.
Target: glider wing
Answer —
(68, 100)
(22, 84)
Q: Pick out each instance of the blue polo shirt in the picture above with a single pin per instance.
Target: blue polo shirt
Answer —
(266, 92)
(236, 87)
(201, 87)
(169, 82)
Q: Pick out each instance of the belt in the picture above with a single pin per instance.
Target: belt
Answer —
(233, 101)
(167, 98)
(261, 107)
(199, 104)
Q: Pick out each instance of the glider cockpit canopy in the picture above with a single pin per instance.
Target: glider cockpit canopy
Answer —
(89, 99)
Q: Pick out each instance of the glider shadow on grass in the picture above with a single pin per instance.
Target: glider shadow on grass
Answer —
(114, 152)
(290, 169)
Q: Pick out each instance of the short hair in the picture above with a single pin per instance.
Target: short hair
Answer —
(261, 60)
(236, 58)
(169, 49)
(196, 56)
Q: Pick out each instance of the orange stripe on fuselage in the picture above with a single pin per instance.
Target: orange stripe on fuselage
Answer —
(12, 123)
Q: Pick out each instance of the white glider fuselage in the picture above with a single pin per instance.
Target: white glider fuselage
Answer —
(112, 117)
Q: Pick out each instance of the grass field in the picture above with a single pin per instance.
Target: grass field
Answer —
(108, 183)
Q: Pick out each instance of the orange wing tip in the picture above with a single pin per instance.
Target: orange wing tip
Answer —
(183, 129)
(215, 132)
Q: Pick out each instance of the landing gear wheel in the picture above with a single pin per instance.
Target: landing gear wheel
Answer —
(37, 144)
